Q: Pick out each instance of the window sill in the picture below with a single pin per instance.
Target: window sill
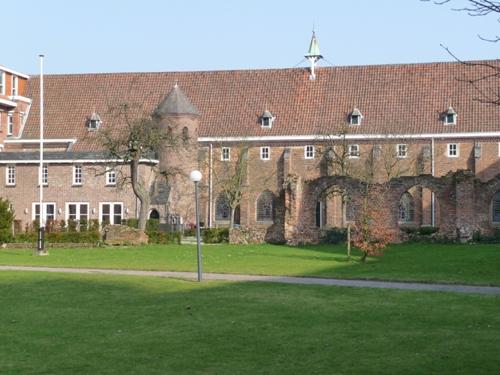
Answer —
(10, 185)
(76, 185)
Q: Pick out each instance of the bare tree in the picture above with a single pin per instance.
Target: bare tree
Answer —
(132, 139)
(483, 78)
(231, 180)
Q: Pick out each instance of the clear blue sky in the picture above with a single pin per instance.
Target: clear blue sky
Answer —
(171, 35)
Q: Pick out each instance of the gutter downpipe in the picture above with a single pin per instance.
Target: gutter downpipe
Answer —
(433, 202)
(210, 186)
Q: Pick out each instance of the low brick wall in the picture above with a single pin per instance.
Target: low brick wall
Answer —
(245, 236)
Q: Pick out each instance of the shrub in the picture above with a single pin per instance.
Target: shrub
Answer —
(215, 235)
(6, 220)
(427, 230)
(153, 225)
(335, 235)
(477, 236)
(191, 232)
(133, 223)
(157, 237)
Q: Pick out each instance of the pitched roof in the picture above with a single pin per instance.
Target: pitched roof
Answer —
(394, 99)
(176, 103)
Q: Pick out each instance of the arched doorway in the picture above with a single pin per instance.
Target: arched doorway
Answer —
(418, 207)
(154, 214)
(331, 208)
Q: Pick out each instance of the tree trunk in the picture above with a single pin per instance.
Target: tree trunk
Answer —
(141, 193)
(231, 220)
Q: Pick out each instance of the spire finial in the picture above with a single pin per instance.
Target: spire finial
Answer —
(313, 55)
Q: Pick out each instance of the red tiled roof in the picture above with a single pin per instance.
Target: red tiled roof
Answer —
(393, 99)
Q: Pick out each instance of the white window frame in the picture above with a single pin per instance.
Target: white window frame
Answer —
(309, 152)
(44, 211)
(457, 150)
(358, 117)
(78, 209)
(10, 123)
(110, 177)
(2, 83)
(10, 175)
(269, 125)
(402, 150)
(265, 153)
(225, 154)
(351, 154)
(77, 182)
(446, 122)
(45, 175)
(15, 85)
(111, 211)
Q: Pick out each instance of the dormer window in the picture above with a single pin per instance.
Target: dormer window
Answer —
(355, 117)
(267, 119)
(450, 117)
(14, 89)
(94, 121)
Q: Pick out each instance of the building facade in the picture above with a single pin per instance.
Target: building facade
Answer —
(418, 123)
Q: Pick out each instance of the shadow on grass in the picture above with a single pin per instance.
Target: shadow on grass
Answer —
(76, 324)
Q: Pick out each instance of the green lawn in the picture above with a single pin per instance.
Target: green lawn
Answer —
(95, 324)
(471, 264)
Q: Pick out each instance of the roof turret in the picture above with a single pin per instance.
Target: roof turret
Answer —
(176, 103)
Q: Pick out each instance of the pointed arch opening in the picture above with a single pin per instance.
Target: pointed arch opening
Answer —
(495, 208)
(265, 207)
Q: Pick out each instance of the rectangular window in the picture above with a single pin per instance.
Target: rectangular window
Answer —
(49, 210)
(10, 123)
(45, 175)
(402, 151)
(452, 150)
(110, 177)
(111, 213)
(265, 153)
(225, 154)
(10, 175)
(77, 175)
(14, 85)
(309, 152)
(353, 151)
(78, 212)
(2, 83)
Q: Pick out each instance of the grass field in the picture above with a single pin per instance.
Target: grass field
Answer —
(95, 324)
(470, 264)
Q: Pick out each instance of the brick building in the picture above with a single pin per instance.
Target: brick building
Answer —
(429, 117)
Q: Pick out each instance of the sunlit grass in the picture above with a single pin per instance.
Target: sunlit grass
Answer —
(472, 264)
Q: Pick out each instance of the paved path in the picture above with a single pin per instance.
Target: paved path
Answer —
(272, 279)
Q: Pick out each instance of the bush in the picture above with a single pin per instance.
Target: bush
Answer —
(215, 235)
(427, 230)
(335, 235)
(153, 225)
(133, 223)
(157, 237)
(191, 232)
(477, 236)
(6, 220)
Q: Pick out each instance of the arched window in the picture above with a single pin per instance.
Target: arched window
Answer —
(265, 206)
(406, 208)
(222, 209)
(185, 134)
(496, 207)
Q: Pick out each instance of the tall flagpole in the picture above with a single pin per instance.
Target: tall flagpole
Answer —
(41, 230)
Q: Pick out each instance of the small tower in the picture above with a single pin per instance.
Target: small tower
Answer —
(179, 120)
(313, 55)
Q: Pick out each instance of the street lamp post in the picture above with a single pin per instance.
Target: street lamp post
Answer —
(195, 176)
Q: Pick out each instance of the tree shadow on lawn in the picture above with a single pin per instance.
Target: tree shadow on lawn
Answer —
(61, 324)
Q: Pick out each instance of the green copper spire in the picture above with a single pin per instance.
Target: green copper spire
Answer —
(314, 48)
